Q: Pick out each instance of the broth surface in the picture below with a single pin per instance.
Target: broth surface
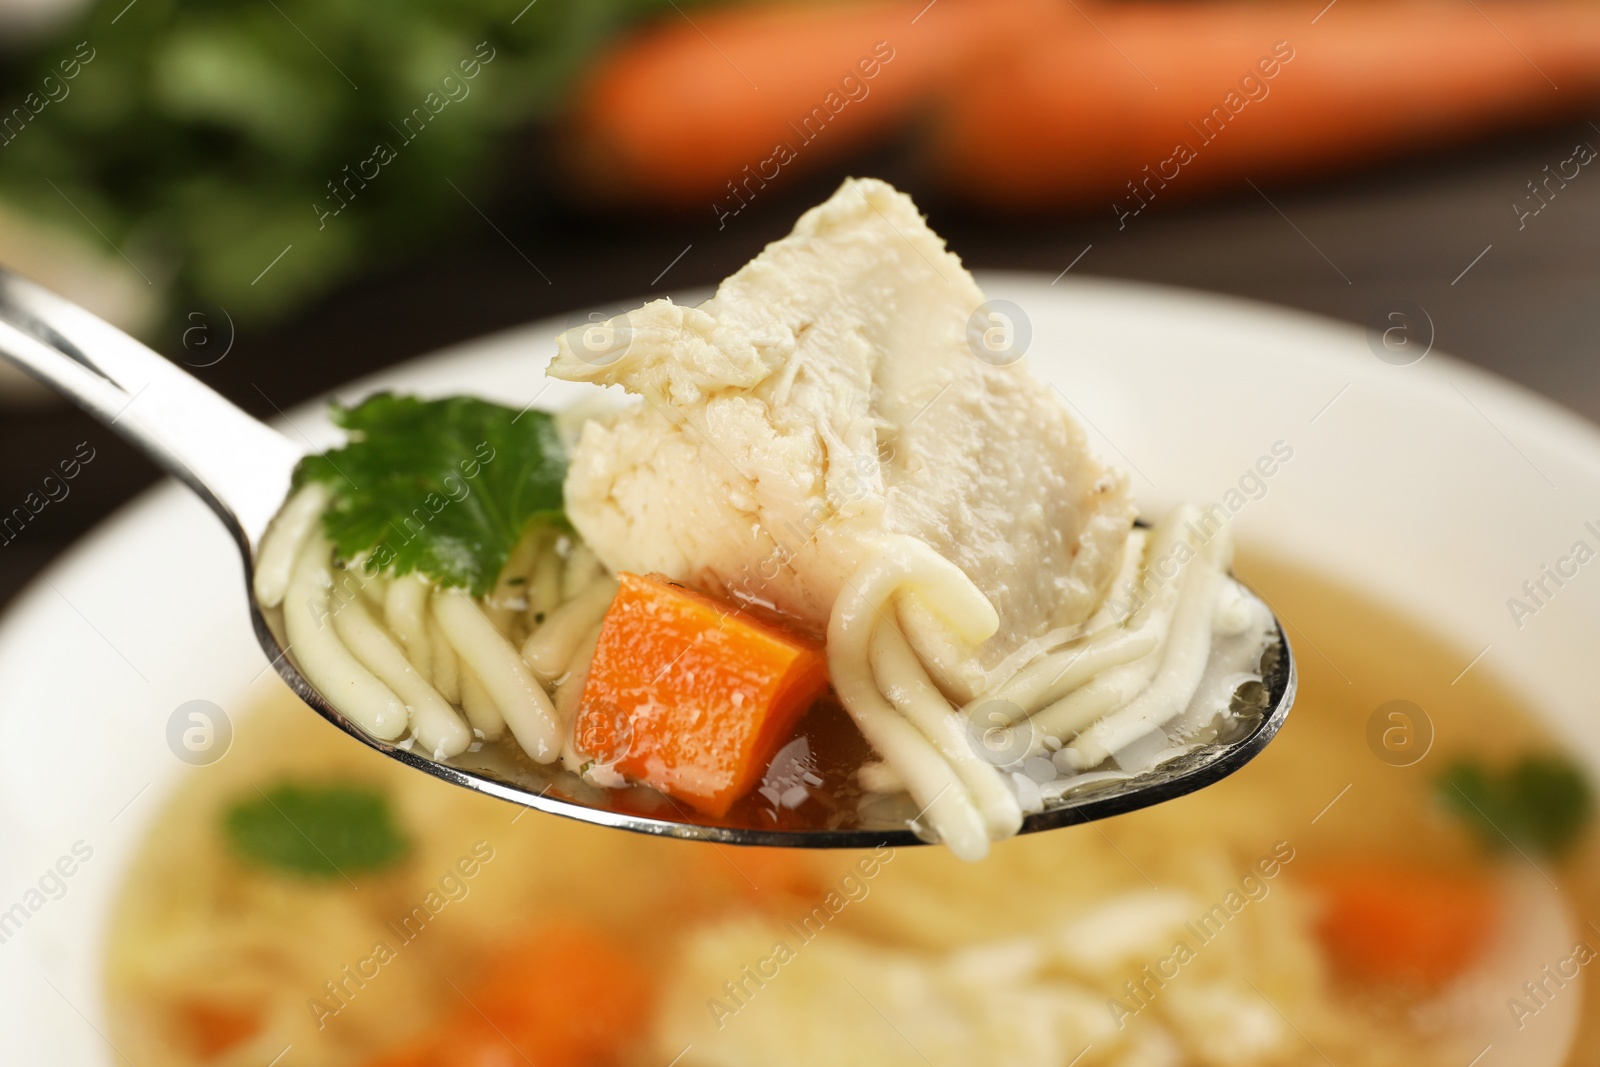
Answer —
(196, 931)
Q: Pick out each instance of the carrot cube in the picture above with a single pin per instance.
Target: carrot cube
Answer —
(689, 696)
(1390, 922)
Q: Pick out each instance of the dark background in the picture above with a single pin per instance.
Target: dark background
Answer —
(1349, 247)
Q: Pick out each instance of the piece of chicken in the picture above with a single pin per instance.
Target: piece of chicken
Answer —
(845, 385)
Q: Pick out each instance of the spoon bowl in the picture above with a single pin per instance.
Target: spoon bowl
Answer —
(243, 470)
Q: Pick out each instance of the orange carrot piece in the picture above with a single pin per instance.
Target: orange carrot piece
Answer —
(1073, 119)
(209, 1029)
(1388, 922)
(690, 697)
(1047, 103)
(569, 996)
(696, 114)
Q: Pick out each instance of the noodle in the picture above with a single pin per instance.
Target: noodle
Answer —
(1110, 614)
(405, 610)
(902, 678)
(509, 682)
(568, 694)
(1051, 677)
(1234, 658)
(437, 726)
(545, 594)
(422, 652)
(446, 671)
(583, 567)
(485, 718)
(1104, 694)
(1111, 611)
(1142, 662)
(1110, 690)
(507, 602)
(549, 649)
(371, 585)
(1046, 681)
(1182, 665)
(323, 658)
(281, 545)
(907, 565)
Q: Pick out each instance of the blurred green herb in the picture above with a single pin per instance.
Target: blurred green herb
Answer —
(316, 831)
(203, 137)
(1541, 802)
(445, 487)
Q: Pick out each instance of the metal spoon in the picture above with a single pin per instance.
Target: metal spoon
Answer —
(242, 469)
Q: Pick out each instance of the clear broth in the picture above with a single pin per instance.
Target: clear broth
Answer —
(194, 926)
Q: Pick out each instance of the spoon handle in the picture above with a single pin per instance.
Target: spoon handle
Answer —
(237, 465)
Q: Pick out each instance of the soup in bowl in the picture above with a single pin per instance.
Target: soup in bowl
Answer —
(1342, 899)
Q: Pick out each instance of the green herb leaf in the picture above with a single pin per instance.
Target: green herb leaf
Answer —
(316, 831)
(215, 136)
(1541, 802)
(445, 487)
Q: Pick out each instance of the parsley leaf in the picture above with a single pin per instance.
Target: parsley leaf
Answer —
(445, 487)
(316, 831)
(1541, 802)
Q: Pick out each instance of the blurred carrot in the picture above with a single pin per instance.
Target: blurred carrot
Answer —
(680, 111)
(1047, 102)
(1392, 923)
(571, 996)
(1078, 117)
(210, 1028)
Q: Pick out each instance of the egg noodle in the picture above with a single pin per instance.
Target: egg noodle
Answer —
(1145, 679)
(416, 663)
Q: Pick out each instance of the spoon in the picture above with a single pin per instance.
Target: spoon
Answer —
(242, 469)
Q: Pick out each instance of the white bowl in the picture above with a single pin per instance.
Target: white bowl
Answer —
(1436, 487)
